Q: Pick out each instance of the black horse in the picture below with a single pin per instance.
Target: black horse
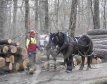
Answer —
(51, 50)
(82, 46)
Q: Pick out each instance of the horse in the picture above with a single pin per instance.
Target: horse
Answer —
(82, 46)
(50, 50)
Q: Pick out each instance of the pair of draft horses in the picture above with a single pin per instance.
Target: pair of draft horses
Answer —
(82, 46)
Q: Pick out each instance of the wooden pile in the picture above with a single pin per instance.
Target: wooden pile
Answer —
(12, 56)
(99, 38)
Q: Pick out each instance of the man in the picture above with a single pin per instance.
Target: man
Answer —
(31, 49)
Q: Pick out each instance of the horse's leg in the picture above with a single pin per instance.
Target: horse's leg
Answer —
(48, 62)
(55, 63)
(73, 63)
(89, 62)
(70, 63)
(82, 64)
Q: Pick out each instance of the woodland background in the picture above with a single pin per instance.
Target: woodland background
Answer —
(18, 17)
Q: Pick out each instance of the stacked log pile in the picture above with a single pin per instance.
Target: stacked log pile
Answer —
(99, 38)
(12, 56)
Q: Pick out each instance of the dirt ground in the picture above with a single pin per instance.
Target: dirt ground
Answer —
(97, 74)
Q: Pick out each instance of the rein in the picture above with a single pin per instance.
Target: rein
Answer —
(86, 51)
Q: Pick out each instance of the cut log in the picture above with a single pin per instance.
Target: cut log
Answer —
(100, 46)
(3, 49)
(7, 67)
(104, 42)
(24, 64)
(12, 59)
(102, 53)
(12, 49)
(21, 51)
(2, 62)
(24, 52)
(17, 66)
(7, 59)
(15, 43)
(97, 32)
(99, 39)
(97, 36)
(96, 61)
(5, 41)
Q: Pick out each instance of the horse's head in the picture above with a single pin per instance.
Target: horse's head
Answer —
(52, 41)
(54, 38)
(84, 40)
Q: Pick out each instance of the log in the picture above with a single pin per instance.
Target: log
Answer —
(7, 56)
(12, 49)
(3, 49)
(12, 59)
(97, 36)
(99, 39)
(21, 51)
(104, 42)
(102, 53)
(15, 43)
(8, 67)
(24, 52)
(17, 66)
(96, 61)
(100, 46)
(5, 41)
(2, 62)
(97, 32)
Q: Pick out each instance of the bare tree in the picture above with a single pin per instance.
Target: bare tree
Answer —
(36, 14)
(104, 24)
(2, 18)
(14, 15)
(72, 24)
(26, 15)
(96, 15)
(46, 17)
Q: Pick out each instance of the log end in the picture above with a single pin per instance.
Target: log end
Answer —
(2, 62)
(9, 41)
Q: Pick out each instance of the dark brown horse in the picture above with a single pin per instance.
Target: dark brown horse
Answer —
(82, 46)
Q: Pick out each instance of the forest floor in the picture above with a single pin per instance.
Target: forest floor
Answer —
(97, 74)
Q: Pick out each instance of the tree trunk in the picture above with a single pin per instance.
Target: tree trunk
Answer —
(2, 18)
(26, 16)
(14, 16)
(46, 17)
(96, 15)
(97, 32)
(73, 14)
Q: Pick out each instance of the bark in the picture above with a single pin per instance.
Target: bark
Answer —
(14, 16)
(26, 16)
(102, 53)
(2, 18)
(98, 36)
(97, 32)
(36, 15)
(73, 14)
(96, 15)
(5, 41)
(46, 17)
(100, 46)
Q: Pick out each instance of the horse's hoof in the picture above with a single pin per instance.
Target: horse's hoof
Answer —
(68, 71)
(81, 68)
